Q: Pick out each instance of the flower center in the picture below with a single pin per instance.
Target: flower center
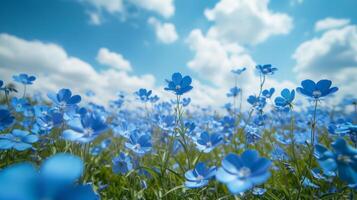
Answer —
(209, 144)
(200, 177)
(137, 146)
(316, 93)
(244, 172)
(178, 87)
(88, 131)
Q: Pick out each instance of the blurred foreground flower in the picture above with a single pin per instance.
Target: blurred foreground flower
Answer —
(55, 180)
(241, 173)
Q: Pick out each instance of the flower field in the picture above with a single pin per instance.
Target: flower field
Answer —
(61, 147)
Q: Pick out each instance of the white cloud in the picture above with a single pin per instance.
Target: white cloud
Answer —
(165, 32)
(95, 18)
(55, 69)
(112, 59)
(213, 62)
(165, 8)
(246, 21)
(332, 56)
(111, 6)
(330, 23)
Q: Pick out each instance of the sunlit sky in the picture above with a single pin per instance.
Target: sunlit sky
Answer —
(111, 45)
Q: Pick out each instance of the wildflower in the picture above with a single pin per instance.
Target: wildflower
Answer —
(343, 159)
(179, 85)
(122, 164)
(267, 69)
(21, 105)
(63, 100)
(186, 101)
(286, 98)
(6, 119)
(268, 93)
(257, 102)
(54, 181)
(240, 173)
(24, 79)
(139, 143)
(85, 128)
(207, 142)
(143, 94)
(258, 191)
(316, 90)
(95, 151)
(233, 92)
(154, 99)
(199, 176)
(17, 139)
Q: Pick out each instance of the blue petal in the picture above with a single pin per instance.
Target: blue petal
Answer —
(249, 157)
(74, 99)
(177, 78)
(238, 186)
(232, 163)
(186, 81)
(21, 146)
(61, 168)
(223, 176)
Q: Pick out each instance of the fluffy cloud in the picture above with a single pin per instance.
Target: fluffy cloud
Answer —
(55, 69)
(111, 6)
(332, 56)
(246, 21)
(213, 62)
(165, 32)
(112, 59)
(330, 23)
(165, 8)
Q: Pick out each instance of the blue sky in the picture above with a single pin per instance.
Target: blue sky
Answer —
(66, 23)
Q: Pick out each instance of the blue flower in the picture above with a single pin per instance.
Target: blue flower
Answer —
(6, 119)
(257, 102)
(343, 159)
(20, 105)
(186, 101)
(143, 94)
(286, 98)
(122, 164)
(154, 99)
(179, 85)
(86, 128)
(139, 143)
(233, 92)
(24, 79)
(95, 151)
(316, 90)
(199, 176)
(241, 173)
(207, 142)
(258, 191)
(238, 71)
(18, 139)
(268, 93)
(54, 181)
(64, 100)
(267, 69)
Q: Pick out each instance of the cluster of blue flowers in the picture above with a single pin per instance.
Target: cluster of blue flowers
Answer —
(74, 143)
